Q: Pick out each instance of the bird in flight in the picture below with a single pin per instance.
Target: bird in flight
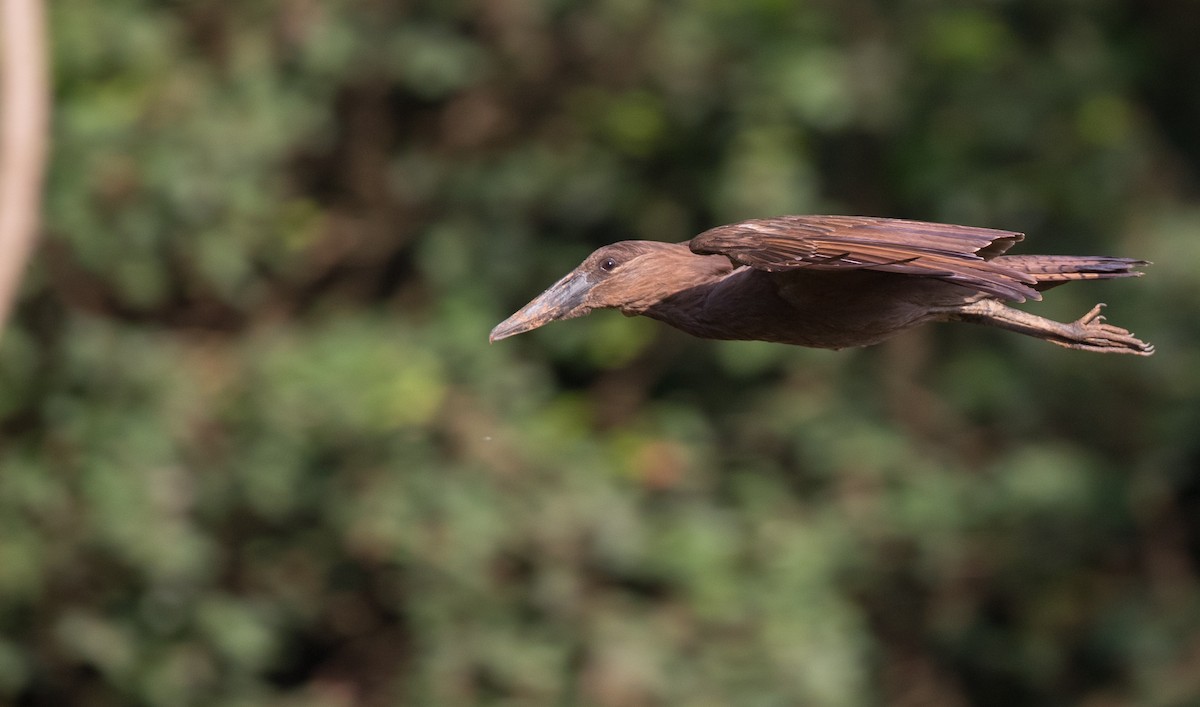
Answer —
(831, 282)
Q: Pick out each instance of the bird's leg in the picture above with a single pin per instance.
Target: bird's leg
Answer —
(1088, 333)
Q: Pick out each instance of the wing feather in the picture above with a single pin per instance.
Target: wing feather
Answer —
(957, 254)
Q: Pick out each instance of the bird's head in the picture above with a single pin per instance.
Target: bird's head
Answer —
(629, 276)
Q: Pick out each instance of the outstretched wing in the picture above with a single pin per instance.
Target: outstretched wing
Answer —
(958, 254)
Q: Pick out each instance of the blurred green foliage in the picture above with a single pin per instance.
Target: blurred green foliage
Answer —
(255, 449)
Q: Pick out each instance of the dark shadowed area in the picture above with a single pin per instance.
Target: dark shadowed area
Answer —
(255, 448)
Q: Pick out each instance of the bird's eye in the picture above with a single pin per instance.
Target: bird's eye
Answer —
(608, 264)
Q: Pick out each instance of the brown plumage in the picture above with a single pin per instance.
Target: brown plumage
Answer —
(831, 282)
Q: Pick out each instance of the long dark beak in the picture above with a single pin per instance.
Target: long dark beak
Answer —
(563, 300)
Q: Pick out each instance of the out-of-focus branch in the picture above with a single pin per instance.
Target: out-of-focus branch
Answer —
(24, 127)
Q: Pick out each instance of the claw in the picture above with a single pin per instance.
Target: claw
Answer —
(1091, 333)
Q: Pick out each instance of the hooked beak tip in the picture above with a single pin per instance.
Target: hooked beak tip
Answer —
(512, 326)
(562, 301)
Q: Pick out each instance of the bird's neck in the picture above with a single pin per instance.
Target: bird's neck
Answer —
(686, 308)
(742, 304)
(673, 284)
(713, 308)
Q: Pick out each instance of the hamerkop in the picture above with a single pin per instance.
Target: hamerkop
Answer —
(831, 282)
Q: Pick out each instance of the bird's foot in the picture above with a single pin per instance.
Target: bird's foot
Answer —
(1092, 333)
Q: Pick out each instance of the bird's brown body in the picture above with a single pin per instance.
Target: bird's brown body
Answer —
(830, 282)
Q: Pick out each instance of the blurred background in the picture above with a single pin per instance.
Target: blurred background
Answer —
(256, 450)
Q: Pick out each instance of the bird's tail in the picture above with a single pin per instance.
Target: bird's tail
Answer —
(1053, 270)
